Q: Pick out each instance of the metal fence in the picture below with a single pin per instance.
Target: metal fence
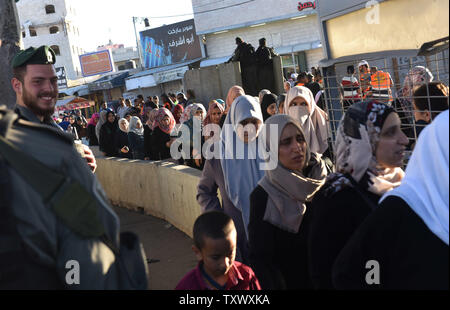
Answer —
(398, 67)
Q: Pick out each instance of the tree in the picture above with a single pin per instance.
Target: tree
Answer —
(9, 46)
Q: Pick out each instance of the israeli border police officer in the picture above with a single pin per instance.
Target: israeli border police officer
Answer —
(57, 229)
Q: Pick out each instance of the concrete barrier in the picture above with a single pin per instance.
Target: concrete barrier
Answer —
(159, 188)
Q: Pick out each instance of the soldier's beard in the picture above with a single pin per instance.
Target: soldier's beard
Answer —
(32, 103)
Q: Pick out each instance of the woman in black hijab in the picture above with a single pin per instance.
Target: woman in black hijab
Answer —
(107, 135)
(269, 106)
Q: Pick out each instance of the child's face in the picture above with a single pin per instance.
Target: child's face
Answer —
(218, 254)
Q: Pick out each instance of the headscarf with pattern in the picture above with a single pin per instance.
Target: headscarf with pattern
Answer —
(211, 108)
(416, 76)
(161, 113)
(151, 118)
(186, 115)
(356, 142)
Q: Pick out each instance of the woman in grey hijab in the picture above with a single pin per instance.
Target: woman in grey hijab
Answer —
(136, 138)
(101, 121)
(279, 215)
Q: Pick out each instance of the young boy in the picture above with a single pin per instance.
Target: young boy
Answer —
(215, 248)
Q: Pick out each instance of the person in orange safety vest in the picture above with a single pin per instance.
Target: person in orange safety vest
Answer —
(381, 84)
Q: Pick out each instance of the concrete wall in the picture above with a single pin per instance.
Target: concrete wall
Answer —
(212, 82)
(162, 189)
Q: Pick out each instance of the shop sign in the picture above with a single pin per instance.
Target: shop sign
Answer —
(306, 5)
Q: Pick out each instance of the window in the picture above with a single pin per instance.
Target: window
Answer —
(23, 34)
(55, 48)
(33, 32)
(54, 29)
(49, 9)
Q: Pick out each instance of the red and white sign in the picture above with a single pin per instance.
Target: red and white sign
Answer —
(306, 5)
(96, 63)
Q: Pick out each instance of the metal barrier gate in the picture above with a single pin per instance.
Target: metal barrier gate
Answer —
(398, 66)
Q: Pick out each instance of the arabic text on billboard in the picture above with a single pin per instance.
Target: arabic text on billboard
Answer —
(170, 44)
(96, 63)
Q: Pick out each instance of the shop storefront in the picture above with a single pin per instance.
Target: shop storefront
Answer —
(157, 81)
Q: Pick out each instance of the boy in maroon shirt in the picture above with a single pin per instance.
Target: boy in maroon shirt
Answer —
(215, 248)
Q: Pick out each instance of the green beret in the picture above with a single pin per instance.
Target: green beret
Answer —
(43, 55)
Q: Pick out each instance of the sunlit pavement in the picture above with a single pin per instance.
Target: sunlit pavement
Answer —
(168, 249)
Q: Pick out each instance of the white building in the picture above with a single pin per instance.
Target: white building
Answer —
(54, 23)
(125, 56)
(293, 32)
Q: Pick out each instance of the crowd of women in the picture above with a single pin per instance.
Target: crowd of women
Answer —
(363, 222)
(313, 222)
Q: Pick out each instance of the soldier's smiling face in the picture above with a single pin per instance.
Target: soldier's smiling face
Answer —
(39, 89)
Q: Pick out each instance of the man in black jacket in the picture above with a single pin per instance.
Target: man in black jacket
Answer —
(264, 60)
(245, 54)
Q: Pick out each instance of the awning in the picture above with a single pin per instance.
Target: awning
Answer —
(81, 90)
(281, 50)
(72, 103)
(155, 76)
(109, 81)
(434, 47)
(140, 82)
(427, 49)
(324, 63)
(213, 61)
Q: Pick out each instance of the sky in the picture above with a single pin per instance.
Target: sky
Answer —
(102, 20)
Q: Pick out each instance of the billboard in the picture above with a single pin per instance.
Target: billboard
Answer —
(170, 44)
(96, 63)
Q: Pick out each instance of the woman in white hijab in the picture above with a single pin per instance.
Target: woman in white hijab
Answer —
(279, 208)
(122, 144)
(300, 105)
(241, 175)
(405, 241)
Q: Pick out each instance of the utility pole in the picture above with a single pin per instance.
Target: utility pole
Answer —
(9, 46)
(147, 24)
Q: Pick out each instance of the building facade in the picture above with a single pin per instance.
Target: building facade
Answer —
(290, 27)
(54, 23)
(126, 58)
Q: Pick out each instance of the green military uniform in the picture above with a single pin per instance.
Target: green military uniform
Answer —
(43, 231)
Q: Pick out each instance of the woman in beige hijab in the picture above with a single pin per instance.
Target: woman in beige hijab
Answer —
(279, 214)
(233, 93)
